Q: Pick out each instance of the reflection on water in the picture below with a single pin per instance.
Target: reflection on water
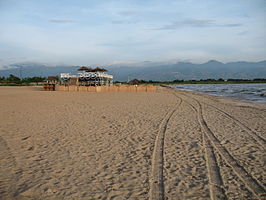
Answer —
(255, 93)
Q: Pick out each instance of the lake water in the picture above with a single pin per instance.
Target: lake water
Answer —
(247, 92)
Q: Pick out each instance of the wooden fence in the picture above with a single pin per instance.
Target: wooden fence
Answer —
(49, 87)
(114, 88)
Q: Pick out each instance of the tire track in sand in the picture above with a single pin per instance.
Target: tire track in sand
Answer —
(251, 183)
(9, 172)
(215, 179)
(156, 177)
(253, 134)
(216, 186)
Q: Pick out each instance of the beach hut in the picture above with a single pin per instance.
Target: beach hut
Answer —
(50, 85)
(134, 82)
(95, 77)
(52, 80)
(98, 69)
(88, 76)
(83, 68)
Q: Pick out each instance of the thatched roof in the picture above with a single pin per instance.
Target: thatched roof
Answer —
(89, 69)
(134, 82)
(83, 68)
(98, 69)
(52, 78)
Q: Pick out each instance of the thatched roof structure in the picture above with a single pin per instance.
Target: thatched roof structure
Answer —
(89, 69)
(52, 78)
(83, 68)
(134, 82)
(98, 69)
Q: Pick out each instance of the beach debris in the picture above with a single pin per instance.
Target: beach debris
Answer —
(25, 138)
(36, 158)
(86, 155)
(224, 141)
(51, 191)
(30, 148)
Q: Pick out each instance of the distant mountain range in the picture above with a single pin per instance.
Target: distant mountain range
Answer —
(152, 71)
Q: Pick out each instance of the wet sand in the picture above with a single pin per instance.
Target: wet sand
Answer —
(163, 145)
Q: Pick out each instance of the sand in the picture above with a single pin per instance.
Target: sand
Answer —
(163, 145)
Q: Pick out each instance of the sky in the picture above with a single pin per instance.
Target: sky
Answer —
(104, 32)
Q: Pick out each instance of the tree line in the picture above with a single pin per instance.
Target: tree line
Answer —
(21, 81)
(14, 80)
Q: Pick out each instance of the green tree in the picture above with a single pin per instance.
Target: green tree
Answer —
(2, 79)
(35, 79)
(13, 79)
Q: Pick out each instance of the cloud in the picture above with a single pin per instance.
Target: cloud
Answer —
(126, 17)
(124, 21)
(195, 23)
(243, 33)
(119, 44)
(230, 25)
(246, 16)
(121, 63)
(188, 23)
(126, 42)
(127, 13)
(61, 20)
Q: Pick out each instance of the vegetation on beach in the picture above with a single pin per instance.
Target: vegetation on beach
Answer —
(16, 81)
(36, 80)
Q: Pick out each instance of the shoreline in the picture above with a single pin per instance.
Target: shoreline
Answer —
(153, 83)
(255, 99)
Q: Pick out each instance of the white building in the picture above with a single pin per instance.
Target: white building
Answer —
(88, 78)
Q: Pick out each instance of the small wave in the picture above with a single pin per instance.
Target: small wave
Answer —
(248, 92)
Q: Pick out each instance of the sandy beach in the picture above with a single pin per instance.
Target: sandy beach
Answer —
(160, 145)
